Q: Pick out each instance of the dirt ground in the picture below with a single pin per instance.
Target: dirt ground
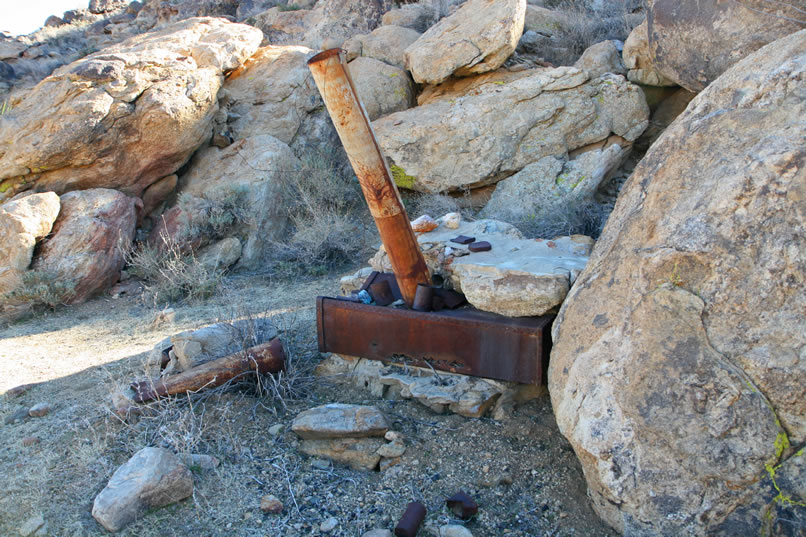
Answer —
(521, 471)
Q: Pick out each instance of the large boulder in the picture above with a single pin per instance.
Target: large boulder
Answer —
(274, 93)
(484, 134)
(327, 25)
(477, 38)
(250, 174)
(382, 88)
(126, 116)
(694, 41)
(86, 245)
(385, 43)
(23, 222)
(545, 190)
(639, 62)
(677, 371)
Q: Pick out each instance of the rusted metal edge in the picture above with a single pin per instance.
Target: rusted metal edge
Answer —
(466, 341)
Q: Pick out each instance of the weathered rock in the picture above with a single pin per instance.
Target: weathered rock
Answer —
(382, 88)
(454, 530)
(220, 255)
(353, 282)
(39, 410)
(328, 525)
(545, 21)
(418, 17)
(325, 26)
(22, 223)
(33, 526)
(270, 504)
(638, 60)
(477, 38)
(157, 193)
(664, 114)
(195, 347)
(86, 243)
(603, 57)
(338, 420)
(103, 6)
(467, 140)
(461, 86)
(250, 173)
(286, 104)
(517, 277)
(357, 453)
(123, 117)
(392, 450)
(378, 533)
(385, 43)
(553, 186)
(677, 365)
(200, 461)
(694, 41)
(152, 478)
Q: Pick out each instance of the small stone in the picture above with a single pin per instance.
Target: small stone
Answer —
(385, 463)
(39, 410)
(329, 525)
(270, 504)
(321, 464)
(454, 530)
(29, 441)
(198, 460)
(424, 224)
(339, 421)
(18, 416)
(393, 450)
(452, 220)
(19, 390)
(393, 436)
(30, 526)
(276, 429)
(378, 533)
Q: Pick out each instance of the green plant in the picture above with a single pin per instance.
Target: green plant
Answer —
(4, 108)
(290, 7)
(41, 288)
(213, 216)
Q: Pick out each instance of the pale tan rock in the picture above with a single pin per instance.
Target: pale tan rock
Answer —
(451, 220)
(22, 223)
(157, 193)
(252, 171)
(357, 453)
(694, 41)
(477, 38)
(220, 255)
(638, 60)
(677, 356)
(455, 87)
(424, 224)
(382, 88)
(353, 282)
(270, 504)
(123, 117)
(479, 138)
(338, 420)
(392, 450)
(601, 58)
(545, 21)
(87, 241)
(152, 478)
(554, 186)
(418, 17)
(385, 44)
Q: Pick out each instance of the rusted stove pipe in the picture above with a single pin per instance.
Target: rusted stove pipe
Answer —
(352, 124)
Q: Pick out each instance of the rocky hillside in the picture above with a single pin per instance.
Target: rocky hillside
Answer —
(187, 139)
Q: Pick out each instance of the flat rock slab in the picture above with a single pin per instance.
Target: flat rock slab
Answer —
(340, 421)
(153, 477)
(357, 453)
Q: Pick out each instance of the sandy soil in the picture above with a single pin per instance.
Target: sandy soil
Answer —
(521, 471)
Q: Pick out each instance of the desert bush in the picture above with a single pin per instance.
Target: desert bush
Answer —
(330, 223)
(213, 216)
(40, 288)
(588, 219)
(169, 274)
(434, 205)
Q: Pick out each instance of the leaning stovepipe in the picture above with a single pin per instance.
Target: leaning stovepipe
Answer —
(352, 124)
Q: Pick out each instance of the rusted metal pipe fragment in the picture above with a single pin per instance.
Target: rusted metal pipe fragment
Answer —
(410, 521)
(352, 124)
(264, 358)
(381, 293)
(423, 298)
(481, 246)
(462, 505)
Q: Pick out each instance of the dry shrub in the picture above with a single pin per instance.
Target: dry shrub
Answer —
(213, 216)
(170, 274)
(41, 288)
(588, 219)
(331, 225)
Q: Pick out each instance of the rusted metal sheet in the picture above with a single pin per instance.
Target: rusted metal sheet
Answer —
(352, 124)
(463, 341)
